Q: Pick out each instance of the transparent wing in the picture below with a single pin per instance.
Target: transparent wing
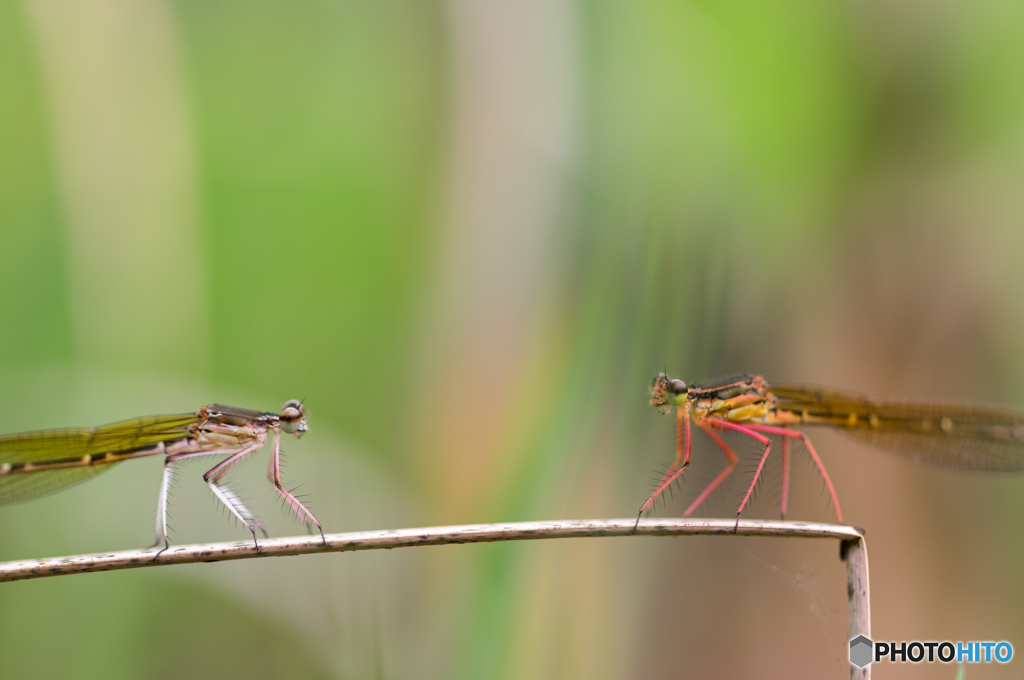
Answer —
(17, 488)
(950, 435)
(128, 435)
(70, 443)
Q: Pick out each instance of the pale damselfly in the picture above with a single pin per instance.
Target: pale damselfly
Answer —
(34, 464)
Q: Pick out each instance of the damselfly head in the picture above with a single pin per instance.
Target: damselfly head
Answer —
(667, 392)
(293, 418)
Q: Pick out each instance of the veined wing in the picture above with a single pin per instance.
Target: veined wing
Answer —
(951, 435)
(72, 443)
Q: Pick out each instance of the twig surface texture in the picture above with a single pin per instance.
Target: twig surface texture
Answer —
(403, 538)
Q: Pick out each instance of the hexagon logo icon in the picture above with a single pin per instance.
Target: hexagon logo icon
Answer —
(860, 651)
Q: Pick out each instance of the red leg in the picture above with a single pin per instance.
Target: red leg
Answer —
(682, 453)
(814, 455)
(714, 422)
(785, 476)
(828, 482)
(781, 431)
(745, 429)
(730, 456)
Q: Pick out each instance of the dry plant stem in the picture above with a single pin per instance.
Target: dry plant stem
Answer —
(855, 553)
(404, 538)
(853, 549)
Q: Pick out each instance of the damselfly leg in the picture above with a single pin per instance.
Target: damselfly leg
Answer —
(786, 434)
(274, 473)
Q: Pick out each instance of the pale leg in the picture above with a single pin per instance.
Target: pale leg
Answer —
(226, 496)
(161, 509)
(275, 476)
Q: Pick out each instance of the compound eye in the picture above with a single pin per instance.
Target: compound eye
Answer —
(292, 418)
(676, 386)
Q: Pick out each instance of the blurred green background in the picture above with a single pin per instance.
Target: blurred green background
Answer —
(467, 233)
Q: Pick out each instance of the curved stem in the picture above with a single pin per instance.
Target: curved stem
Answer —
(402, 538)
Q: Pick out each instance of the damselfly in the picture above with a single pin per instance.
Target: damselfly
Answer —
(960, 437)
(37, 463)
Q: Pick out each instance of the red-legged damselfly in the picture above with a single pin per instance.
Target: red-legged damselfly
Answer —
(955, 436)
